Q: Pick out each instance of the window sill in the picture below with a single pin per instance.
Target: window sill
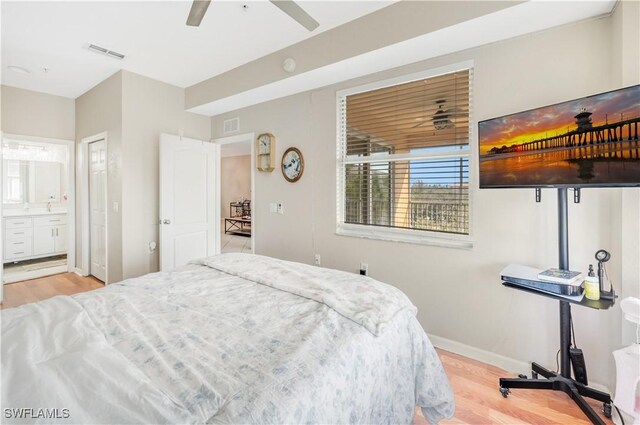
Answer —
(418, 237)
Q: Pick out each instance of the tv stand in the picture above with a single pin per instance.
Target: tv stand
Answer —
(562, 381)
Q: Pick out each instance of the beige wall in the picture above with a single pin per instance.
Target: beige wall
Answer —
(149, 108)
(134, 110)
(458, 292)
(235, 181)
(30, 113)
(100, 110)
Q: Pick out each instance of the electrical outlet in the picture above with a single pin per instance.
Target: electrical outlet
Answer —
(364, 269)
(316, 259)
(280, 208)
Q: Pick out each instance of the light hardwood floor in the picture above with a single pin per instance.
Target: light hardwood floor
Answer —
(478, 400)
(475, 384)
(28, 291)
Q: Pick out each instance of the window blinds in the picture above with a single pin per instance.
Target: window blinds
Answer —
(433, 112)
(404, 157)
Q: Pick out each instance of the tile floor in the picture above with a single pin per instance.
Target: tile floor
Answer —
(235, 243)
(29, 269)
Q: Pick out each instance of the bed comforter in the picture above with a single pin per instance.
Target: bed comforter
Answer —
(234, 338)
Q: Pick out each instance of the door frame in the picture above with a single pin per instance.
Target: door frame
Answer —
(71, 191)
(250, 137)
(85, 224)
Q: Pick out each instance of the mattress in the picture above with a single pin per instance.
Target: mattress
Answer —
(234, 338)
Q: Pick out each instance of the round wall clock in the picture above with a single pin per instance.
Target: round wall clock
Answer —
(292, 164)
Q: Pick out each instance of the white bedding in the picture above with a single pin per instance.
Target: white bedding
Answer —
(264, 341)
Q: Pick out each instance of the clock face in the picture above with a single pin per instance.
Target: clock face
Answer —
(292, 164)
(264, 144)
(265, 152)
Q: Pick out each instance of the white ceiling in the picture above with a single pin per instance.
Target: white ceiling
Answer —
(153, 37)
(524, 18)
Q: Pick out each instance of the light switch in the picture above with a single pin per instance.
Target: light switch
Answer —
(116, 207)
(273, 207)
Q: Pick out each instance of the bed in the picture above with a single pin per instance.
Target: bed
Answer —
(233, 338)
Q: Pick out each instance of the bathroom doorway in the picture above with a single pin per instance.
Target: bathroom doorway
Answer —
(38, 214)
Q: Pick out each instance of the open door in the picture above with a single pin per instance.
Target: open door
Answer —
(189, 222)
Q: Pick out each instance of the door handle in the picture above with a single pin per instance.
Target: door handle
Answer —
(51, 232)
(56, 231)
(166, 221)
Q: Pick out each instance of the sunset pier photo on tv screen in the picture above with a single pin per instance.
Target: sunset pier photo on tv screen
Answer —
(592, 141)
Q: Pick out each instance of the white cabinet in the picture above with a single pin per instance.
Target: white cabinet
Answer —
(43, 240)
(29, 237)
(47, 238)
(17, 238)
(60, 244)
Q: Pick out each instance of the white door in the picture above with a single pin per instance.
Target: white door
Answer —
(189, 224)
(97, 208)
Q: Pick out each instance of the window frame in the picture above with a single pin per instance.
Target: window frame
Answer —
(396, 234)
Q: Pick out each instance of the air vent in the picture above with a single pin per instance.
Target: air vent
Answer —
(115, 55)
(229, 126)
(106, 52)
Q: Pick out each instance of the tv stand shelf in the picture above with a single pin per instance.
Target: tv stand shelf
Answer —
(563, 381)
(585, 302)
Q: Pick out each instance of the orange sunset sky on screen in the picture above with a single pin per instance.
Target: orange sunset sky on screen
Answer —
(558, 119)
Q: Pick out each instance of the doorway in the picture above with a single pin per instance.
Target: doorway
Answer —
(38, 207)
(235, 203)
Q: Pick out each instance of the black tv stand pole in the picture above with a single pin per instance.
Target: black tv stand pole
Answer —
(563, 381)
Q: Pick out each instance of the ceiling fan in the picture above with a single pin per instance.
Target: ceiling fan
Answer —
(290, 7)
(441, 119)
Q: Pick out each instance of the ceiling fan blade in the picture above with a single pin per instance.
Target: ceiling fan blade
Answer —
(198, 9)
(292, 9)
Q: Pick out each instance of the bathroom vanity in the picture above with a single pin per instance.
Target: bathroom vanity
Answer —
(38, 234)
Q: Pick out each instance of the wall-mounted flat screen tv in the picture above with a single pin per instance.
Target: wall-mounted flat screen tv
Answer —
(592, 141)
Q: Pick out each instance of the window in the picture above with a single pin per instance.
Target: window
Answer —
(403, 158)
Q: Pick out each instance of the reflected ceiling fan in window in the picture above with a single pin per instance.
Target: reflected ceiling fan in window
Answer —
(441, 119)
(290, 7)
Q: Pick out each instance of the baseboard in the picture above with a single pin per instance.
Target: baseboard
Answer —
(79, 272)
(503, 362)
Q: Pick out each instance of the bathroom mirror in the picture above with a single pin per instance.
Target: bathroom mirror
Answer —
(31, 181)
